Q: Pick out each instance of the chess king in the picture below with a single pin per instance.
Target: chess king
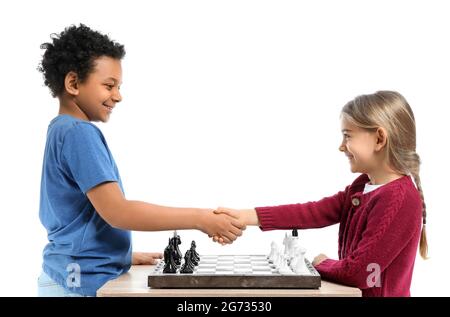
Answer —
(381, 215)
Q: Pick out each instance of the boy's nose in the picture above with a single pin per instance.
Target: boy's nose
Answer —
(117, 97)
(342, 147)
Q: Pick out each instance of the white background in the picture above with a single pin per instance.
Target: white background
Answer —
(232, 103)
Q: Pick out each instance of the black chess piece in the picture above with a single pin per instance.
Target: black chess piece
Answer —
(194, 261)
(176, 241)
(176, 256)
(169, 261)
(195, 255)
(188, 266)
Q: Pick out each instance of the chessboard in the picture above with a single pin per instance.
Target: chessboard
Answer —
(234, 271)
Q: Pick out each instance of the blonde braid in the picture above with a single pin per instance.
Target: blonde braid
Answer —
(413, 165)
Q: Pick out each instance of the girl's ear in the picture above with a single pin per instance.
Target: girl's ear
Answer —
(381, 136)
(71, 83)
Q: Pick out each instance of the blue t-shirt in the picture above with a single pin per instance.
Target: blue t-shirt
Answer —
(83, 251)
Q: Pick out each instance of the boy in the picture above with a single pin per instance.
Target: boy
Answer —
(82, 203)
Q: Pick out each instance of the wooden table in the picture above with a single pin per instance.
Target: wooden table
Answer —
(134, 283)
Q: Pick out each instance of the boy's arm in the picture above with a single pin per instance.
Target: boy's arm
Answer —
(109, 202)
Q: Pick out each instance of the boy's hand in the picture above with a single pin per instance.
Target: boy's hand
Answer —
(223, 225)
(145, 258)
(319, 259)
(246, 216)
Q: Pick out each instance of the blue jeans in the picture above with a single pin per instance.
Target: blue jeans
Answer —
(49, 288)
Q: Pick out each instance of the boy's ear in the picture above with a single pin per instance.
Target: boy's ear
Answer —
(381, 139)
(71, 83)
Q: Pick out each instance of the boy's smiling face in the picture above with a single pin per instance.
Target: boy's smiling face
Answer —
(94, 98)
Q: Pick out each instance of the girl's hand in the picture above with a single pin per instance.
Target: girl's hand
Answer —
(248, 217)
(223, 225)
(145, 258)
(245, 216)
(319, 259)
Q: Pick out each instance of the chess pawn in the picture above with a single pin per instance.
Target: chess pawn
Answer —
(273, 251)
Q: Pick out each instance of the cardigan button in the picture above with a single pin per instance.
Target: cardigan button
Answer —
(355, 202)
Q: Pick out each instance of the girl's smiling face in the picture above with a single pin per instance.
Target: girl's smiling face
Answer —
(360, 146)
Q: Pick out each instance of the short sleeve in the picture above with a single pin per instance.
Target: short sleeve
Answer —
(86, 157)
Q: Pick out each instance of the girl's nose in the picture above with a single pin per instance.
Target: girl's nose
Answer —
(342, 147)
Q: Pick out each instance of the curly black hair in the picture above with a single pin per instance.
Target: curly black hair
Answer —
(75, 49)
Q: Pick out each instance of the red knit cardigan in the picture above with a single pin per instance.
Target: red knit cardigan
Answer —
(378, 233)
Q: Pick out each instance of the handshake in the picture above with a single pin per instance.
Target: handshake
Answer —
(224, 225)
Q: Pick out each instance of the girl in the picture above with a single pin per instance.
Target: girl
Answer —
(380, 213)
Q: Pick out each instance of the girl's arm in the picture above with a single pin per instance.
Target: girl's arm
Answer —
(109, 202)
(318, 214)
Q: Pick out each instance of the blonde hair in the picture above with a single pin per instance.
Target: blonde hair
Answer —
(390, 110)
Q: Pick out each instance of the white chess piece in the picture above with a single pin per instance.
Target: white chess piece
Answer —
(300, 265)
(273, 251)
(275, 260)
(278, 260)
(294, 244)
(284, 267)
(286, 243)
(295, 258)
